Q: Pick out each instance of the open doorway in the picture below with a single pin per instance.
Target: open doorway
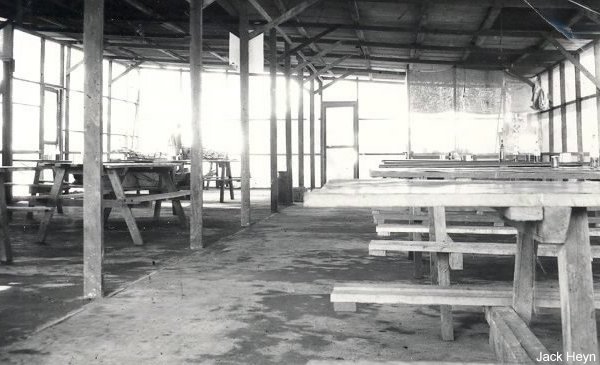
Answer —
(339, 141)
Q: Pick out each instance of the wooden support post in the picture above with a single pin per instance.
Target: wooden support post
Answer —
(524, 277)
(288, 121)
(59, 125)
(8, 66)
(597, 69)
(563, 108)
(273, 136)
(245, 115)
(578, 111)
(408, 115)
(322, 150)
(437, 232)
(196, 175)
(578, 315)
(42, 98)
(311, 134)
(300, 127)
(93, 226)
(67, 110)
(551, 112)
(109, 110)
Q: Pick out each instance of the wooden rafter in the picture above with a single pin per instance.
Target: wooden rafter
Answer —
(487, 23)
(422, 23)
(326, 68)
(319, 55)
(360, 35)
(309, 41)
(332, 82)
(574, 61)
(290, 13)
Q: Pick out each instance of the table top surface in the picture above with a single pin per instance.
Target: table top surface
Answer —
(500, 172)
(423, 193)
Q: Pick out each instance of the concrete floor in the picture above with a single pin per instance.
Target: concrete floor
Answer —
(261, 296)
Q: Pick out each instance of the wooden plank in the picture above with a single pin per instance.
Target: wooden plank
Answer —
(6, 254)
(397, 193)
(521, 214)
(115, 182)
(383, 247)
(597, 72)
(245, 112)
(172, 193)
(437, 231)
(196, 175)
(563, 108)
(573, 60)
(51, 202)
(578, 108)
(93, 226)
(524, 274)
(415, 228)
(553, 229)
(300, 128)
(382, 218)
(289, 14)
(505, 343)
(273, 121)
(311, 134)
(413, 294)
(576, 289)
(516, 328)
(551, 112)
(288, 121)
(8, 65)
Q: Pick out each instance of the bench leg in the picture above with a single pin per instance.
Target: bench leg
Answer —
(524, 277)
(229, 176)
(222, 186)
(5, 246)
(115, 181)
(157, 206)
(417, 258)
(176, 203)
(33, 192)
(437, 229)
(54, 197)
(578, 315)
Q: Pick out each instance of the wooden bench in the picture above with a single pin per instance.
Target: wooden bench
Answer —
(345, 296)
(388, 228)
(382, 218)
(382, 247)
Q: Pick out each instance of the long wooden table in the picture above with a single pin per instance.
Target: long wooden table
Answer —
(489, 173)
(544, 212)
(114, 191)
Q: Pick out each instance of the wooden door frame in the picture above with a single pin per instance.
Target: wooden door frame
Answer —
(337, 104)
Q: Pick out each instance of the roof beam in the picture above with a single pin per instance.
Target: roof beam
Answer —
(422, 23)
(360, 35)
(319, 55)
(287, 39)
(127, 70)
(487, 23)
(339, 78)
(291, 13)
(309, 41)
(574, 61)
(544, 42)
(326, 68)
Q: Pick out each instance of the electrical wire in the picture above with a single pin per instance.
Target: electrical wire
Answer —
(585, 7)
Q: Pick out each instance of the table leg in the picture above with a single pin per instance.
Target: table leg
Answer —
(34, 190)
(437, 232)
(5, 247)
(222, 187)
(54, 197)
(117, 187)
(524, 276)
(170, 187)
(578, 314)
(157, 207)
(230, 178)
